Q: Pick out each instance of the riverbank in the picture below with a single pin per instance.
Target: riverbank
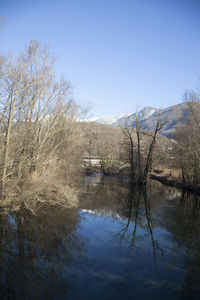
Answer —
(174, 181)
(167, 177)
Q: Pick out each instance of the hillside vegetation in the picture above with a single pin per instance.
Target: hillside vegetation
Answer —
(107, 143)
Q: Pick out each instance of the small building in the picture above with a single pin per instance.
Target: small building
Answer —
(91, 161)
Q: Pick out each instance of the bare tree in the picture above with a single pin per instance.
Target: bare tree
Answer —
(108, 159)
(149, 160)
(140, 163)
(188, 138)
(37, 121)
(138, 150)
(13, 87)
(128, 144)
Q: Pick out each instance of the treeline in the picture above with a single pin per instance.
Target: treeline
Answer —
(38, 136)
(127, 151)
(188, 141)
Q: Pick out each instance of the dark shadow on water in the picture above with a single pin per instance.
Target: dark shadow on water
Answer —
(185, 232)
(37, 253)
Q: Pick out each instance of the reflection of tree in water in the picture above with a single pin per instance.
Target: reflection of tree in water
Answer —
(183, 223)
(116, 198)
(137, 196)
(105, 195)
(175, 215)
(190, 203)
(37, 253)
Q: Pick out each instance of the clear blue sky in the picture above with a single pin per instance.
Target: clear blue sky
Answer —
(118, 54)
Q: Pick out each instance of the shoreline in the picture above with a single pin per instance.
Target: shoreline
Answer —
(173, 181)
(164, 178)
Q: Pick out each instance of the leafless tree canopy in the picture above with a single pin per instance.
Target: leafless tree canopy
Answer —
(138, 156)
(37, 122)
(188, 138)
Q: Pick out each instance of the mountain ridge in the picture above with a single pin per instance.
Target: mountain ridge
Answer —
(174, 115)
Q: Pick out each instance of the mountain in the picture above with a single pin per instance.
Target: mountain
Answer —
(129, 120)
(173, 115)
(108, 120)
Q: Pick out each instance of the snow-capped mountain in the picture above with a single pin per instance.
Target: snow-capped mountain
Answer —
(107, 120)
(129, 120)
(173, 115)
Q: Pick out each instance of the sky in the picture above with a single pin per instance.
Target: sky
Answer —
(120, 55)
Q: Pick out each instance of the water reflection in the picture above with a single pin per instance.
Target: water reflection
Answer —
(185, 232)
(119, 199)
(122, 242)
(161, 220)
(37, 253)
(137, 197)
(190, 203)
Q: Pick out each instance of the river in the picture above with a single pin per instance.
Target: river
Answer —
(122, 242)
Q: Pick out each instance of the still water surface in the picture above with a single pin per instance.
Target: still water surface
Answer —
(121, 243)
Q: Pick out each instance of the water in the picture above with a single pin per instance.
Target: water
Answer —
(121, 243)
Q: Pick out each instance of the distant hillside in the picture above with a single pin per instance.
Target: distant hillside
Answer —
(96, 137)
(174, 115)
